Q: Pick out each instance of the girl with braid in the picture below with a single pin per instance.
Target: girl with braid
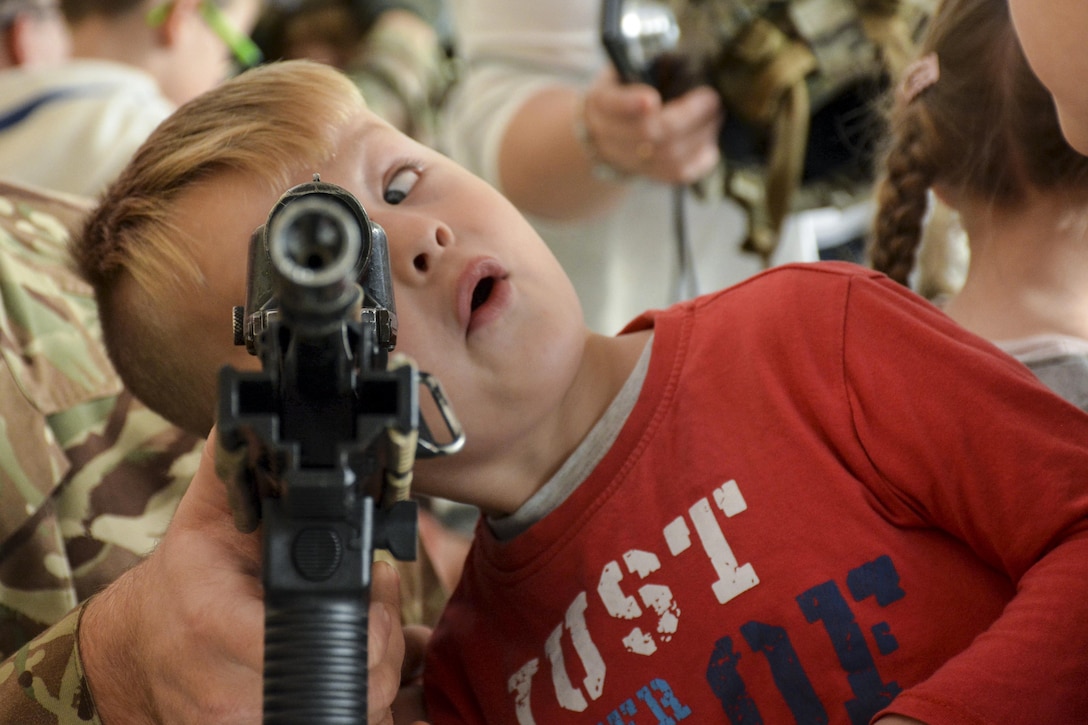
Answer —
(973, 124)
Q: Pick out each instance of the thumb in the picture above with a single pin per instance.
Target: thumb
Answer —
(205, 511)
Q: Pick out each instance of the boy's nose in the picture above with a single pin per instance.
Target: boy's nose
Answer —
(430, 246)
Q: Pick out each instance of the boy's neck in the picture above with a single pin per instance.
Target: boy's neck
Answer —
(502, 483)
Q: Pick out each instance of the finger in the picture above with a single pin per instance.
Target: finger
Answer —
(385, 649)
(693, 113)
(205, 511)
(416, 637)
(613, 103)
(690, 158)
(409, 704)
(207, 489)
(385, 658)
(700, 164)
(385, 634)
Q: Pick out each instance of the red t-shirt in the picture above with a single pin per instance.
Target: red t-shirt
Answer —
(828, 499)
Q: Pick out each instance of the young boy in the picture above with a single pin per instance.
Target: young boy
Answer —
(810, 497)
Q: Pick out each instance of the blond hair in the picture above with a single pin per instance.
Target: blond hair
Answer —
(986, 130)
(266, 124)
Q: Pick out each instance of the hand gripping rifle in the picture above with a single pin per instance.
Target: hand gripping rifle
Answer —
(319, 445)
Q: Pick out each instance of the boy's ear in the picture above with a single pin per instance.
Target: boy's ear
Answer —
(175, 15)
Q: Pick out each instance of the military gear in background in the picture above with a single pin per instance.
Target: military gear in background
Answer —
(800, 81)
(404, 72)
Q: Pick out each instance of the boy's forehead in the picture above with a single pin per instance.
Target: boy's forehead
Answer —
(369, 128)
(228, 206)
(362, 147)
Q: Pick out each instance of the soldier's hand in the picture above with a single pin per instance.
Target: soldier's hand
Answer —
(634, 131)
(395, 655)
(409, 708)
(180, 637)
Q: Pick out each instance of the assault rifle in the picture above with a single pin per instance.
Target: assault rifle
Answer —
(318, 447)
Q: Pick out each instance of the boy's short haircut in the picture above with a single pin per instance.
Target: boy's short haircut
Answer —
(270, 124)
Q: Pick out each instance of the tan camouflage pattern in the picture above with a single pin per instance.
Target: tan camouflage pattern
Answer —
(89, 477)
(44, 681)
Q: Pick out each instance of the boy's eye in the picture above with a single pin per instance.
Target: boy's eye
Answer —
(400, 185)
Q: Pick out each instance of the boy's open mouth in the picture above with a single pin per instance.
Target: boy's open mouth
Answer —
(482, 292)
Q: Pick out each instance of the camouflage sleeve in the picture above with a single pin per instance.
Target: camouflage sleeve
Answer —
(43, 682)
(89, 476)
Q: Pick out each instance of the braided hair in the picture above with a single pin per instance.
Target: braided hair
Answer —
(986, 129)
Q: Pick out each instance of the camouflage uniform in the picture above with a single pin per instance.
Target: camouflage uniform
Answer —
(89, 477)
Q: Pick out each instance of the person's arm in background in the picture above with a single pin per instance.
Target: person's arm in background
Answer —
(558, 141)
(538, 112)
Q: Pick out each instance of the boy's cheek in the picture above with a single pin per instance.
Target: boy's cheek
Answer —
(417, 336)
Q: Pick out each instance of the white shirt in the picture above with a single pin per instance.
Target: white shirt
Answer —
(74, 127)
